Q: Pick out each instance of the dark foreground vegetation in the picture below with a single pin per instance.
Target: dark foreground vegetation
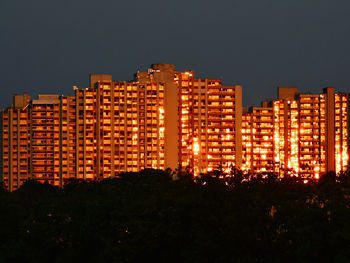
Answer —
(148, 217)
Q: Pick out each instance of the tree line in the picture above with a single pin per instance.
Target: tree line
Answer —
(149, 216)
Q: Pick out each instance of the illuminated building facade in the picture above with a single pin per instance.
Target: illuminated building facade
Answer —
(209, 124)
(45, 139)
(121, 127)
(304, 134)
(164, 118)
(15, 142)
(257, 137)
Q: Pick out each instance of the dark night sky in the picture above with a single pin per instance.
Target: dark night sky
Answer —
(49, 46)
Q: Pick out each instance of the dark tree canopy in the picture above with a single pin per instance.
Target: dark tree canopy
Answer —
(149, 216)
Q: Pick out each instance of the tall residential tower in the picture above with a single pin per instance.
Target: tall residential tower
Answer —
(163, 118)
(304, 134)
(170, 119)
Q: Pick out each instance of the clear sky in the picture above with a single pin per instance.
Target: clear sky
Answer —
(49, 46)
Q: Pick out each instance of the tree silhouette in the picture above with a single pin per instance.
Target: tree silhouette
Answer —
(236, 217)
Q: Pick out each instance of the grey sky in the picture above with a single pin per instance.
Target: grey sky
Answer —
(49, 46)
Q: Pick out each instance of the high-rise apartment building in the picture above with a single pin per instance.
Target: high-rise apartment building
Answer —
(209, 124)
(45, 139)
(15, 124)
(257, 137)
(164, 118)
(304, 134)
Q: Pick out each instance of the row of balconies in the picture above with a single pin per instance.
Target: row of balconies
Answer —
(22, 173)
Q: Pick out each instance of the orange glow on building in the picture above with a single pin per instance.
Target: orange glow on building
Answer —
(166, 118)
(15, 142)
(309, 134)
(257, 137)
(207, 121)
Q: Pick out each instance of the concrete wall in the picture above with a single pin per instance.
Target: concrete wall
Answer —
(238, 126)
(21, 101)
(287, 93)
(330, 130)
(94, 78)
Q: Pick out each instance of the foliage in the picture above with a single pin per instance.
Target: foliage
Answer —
(149, 216)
